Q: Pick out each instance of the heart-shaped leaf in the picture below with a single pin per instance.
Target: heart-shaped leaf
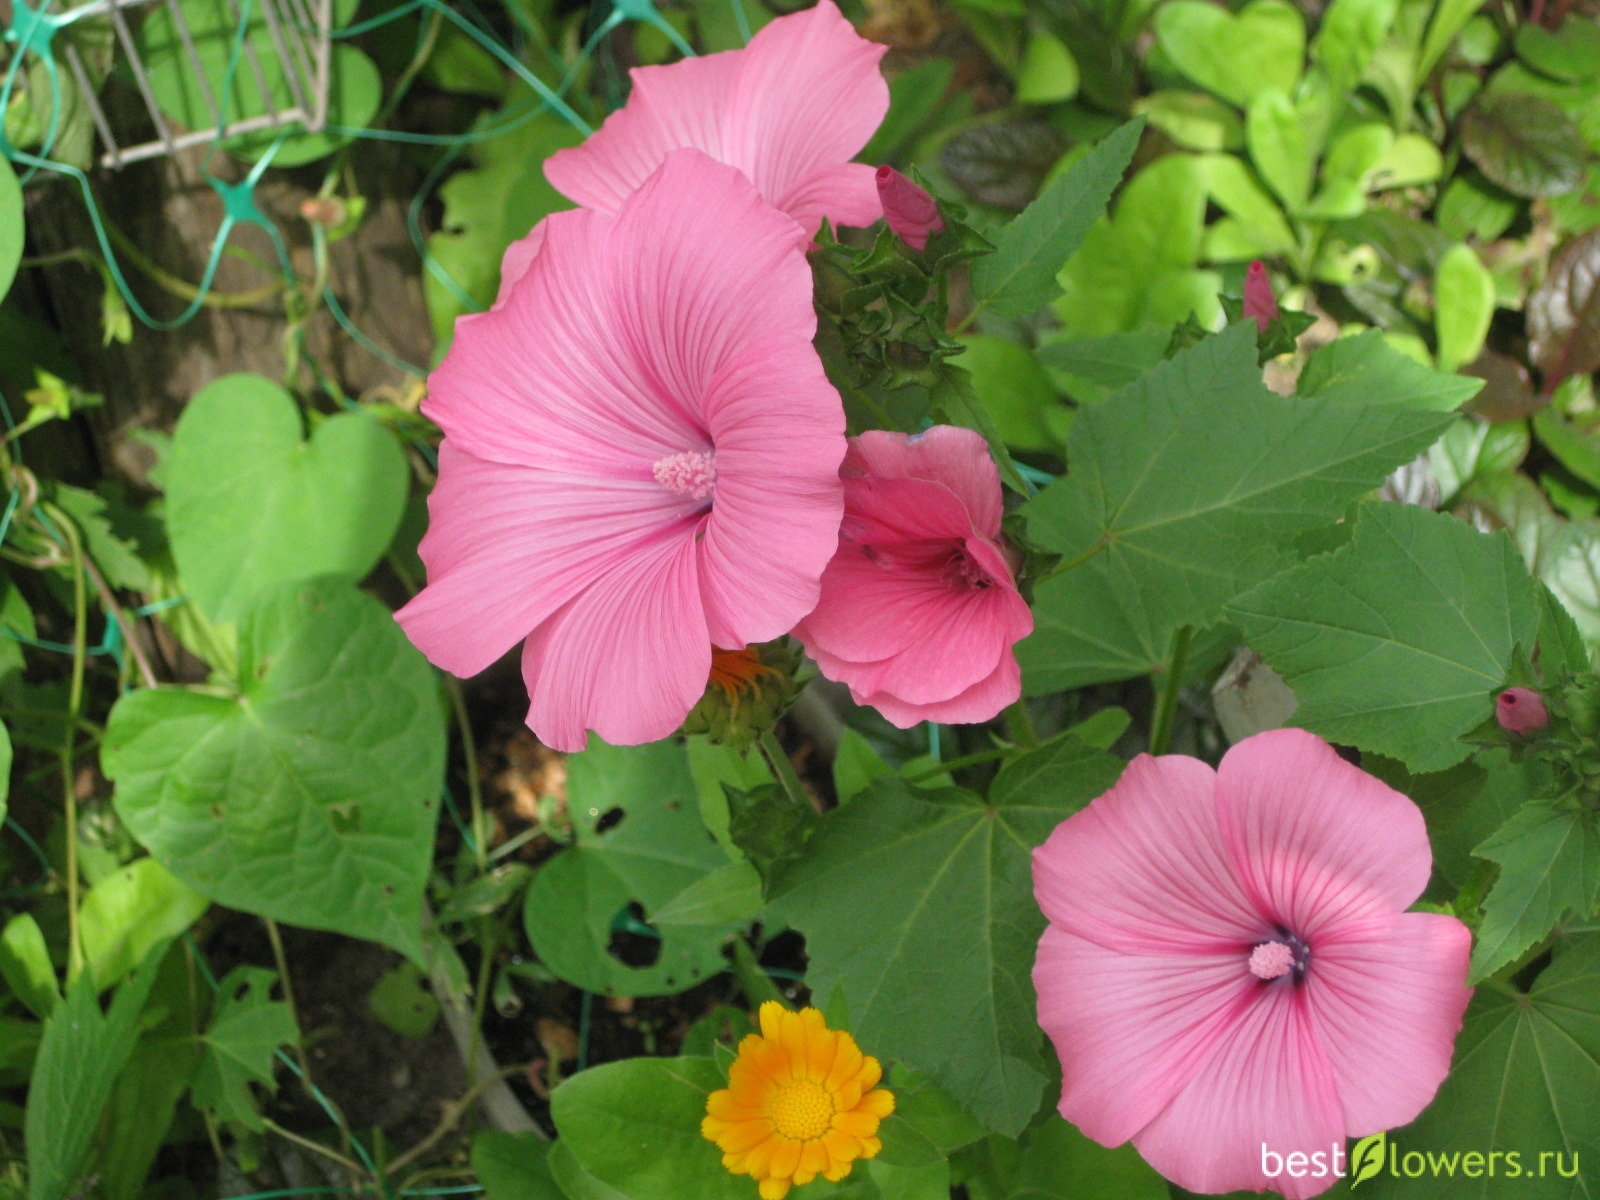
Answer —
(1523, 143)
(1236, 57)
(251, 506)
(309, 795)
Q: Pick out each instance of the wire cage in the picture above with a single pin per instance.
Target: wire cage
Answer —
(203, 73)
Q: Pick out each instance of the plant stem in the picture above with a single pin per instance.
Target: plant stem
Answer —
(956, 764)
(783, 769)
(1077, 560)
(80, 635)
(1167, 704)
(357, 1171)
(469, 755)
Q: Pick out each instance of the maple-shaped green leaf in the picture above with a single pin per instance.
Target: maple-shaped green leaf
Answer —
(1397, 642)
(1523, 1087)
(247, 1027)
(920, 903)
(310, 793)
(640, 841)
(1549, 860)
(1186, 488)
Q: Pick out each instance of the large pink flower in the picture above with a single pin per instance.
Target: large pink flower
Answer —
(789, 110)
(1230, 976)
(919, 612)
(640, 459)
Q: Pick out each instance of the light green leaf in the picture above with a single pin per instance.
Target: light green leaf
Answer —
(1161, 214)
(250, 505)
(11, 225)
(1236, 57)
(402, 1001)
(26, 967)
(128, 912)
(1349, 35)
(640, 841)
(1396, 642)
(308, 795)
(1526, 1071)
(730, 895)
(1186, 488)
(82, 1052)
(1472, 207)
(1195, 120)
(1366, 369)
(1549, 870)
(1448, 18)
(1013, 387)
(1049, 72)
(713, 765)
(1234, 188)
(514, 1166)
(247, 1027)
(1020, 276)
(1464, 303)
(1278, 147)
(947, 879)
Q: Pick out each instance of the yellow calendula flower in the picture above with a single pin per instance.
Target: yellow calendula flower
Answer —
(801, 1101)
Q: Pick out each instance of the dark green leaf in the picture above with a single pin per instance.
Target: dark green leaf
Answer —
(247, 1027)
(1525, 144)
(947, 879)
(1001, 163)
(1020, 276)
(1366, 369)
(1549, 860)
(1111, 361)
(1397, 642)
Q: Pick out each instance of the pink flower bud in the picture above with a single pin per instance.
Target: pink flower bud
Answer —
(1259, 302)
(1520, 710)
(910, 211)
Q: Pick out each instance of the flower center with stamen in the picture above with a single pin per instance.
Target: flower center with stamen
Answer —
(737, 671)
(689, 473)
(1276, 958)
(802, 1110)
(964, 571)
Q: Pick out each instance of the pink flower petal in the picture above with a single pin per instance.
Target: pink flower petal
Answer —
(1388, 994)
(507, 546)
(885, 510)
(1315, 840)
(517, 259)
(1144, 869)
(1131, 1030)
(788, 110)
(628, 658)
(1268, 1084)
(983, 701)
(778, 425)
(948, 454)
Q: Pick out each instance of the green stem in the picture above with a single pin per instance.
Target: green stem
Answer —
(80, 642)
(469, 755)
(956, 764)
(1167, 704)
(783, 770)
(755, 983)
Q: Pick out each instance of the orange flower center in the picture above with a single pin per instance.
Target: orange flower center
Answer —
(736, 671)
(801, 1110)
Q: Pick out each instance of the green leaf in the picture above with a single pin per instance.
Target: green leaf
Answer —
(1448, 18)
(1236, 57)
(1524, 144)
(514, 1166)
(1048, 72)
(82, 1052)
(1347, 38)
(1366, 369)
(309, 795)
(1186, 488)
(1472, 207)
(1195, 120)
(1564, 312)
(1020, 276)
(930, 1181)
(251, 506)
(640, 841)
(1278, 147)
(1549, 860)
(129, 911)
(1526, 1071)
(247, 1027)
(1059, 1163)
(634, 1125)
(11, 226)
(402, 1001)
(26, 967)
(1110, 361)
(1396, 642)
(1571, 52)
(1234, 188)
(1013, 387)
(1464, 304)
(730, 895)
(947, 879)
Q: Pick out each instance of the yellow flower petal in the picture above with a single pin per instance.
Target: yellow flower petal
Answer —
(847, 1064)
(870, 1147)
(813, 1160)
(785, 1160)
(841, 1147)
(774, 1189)
(858, 1124)
(771, 1017)
(879, 1102)
(745, 1136)
(871, 1072)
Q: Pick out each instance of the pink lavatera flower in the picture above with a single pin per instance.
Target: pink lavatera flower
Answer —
(641, 458)
(909, 210)
(919, 611)
(790, 110)
(1229, 964)
(1521, 710)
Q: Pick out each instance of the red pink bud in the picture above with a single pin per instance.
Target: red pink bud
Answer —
(910, 211)
(1520, 710)
(1259, 302)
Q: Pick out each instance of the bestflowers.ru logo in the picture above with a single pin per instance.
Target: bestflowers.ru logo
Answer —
(1377, 1156)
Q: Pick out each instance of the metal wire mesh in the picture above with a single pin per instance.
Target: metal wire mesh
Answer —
(294, 33)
